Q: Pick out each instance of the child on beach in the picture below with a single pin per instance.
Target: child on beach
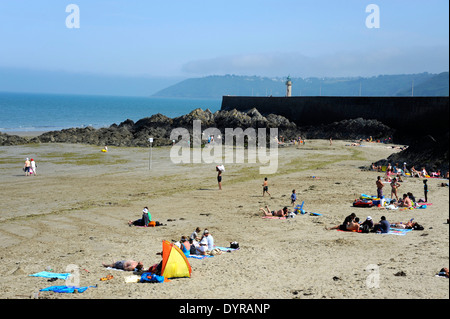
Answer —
(265, 187)
(293, 197)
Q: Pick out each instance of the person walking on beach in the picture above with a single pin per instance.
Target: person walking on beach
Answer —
(33, 167)
(394, 188)
(27, 166)
(219, 170)
(266, 187)
(293, 197)
(380, 186)
(425, 190)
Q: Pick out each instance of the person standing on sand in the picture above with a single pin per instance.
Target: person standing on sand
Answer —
(219, 175)
(33, 167)
(425, 190)
(293, 197)
(380, 186)
(394, 187)
(266, 187)
(27, 166)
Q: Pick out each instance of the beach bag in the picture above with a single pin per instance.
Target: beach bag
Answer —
(149, 277)
(234, 245)
(418, 227)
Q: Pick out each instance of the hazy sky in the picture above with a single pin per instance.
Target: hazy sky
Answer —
(192, 38)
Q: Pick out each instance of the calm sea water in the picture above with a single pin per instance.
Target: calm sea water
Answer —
(48, 112)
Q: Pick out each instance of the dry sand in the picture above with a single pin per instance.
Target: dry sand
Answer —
(75, 212)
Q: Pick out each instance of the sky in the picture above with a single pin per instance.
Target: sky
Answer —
(194, 38)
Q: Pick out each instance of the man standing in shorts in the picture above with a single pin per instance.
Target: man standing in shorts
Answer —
(380, 186)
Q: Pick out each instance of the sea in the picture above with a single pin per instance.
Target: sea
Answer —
(28, 112)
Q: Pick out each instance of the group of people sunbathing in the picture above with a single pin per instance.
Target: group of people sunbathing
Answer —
(195, 244)
(198, 245)
(397, 172)
(353, 224)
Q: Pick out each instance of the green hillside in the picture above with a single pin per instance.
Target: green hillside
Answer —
(436, 86)
(382, 85)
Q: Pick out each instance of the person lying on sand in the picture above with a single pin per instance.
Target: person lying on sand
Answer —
(349, 220)
(280, 213)
(408, 225)
(127, 265)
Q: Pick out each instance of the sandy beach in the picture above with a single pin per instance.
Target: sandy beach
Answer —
(76, 212)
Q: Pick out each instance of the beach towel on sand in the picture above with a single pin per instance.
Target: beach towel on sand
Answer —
(67, 289)
(47, 274)
(225, 249)
(392, 231)
(199, 256)
(398, 231)
(273, 217)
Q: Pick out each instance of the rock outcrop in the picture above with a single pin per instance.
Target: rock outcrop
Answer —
(158, 126)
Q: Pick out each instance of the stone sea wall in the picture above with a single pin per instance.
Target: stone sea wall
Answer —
(409, 116)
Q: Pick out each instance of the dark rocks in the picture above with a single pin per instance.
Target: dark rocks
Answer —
(431, 152)
(6, 140)
(159, 126)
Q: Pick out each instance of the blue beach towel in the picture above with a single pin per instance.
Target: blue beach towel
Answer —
(67, 289)
(398, 231)
(47, 274)
(199, 256)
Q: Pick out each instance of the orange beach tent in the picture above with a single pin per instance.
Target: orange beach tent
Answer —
(174, 262)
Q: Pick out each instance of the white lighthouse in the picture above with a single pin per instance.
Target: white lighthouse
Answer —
(288, 87)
